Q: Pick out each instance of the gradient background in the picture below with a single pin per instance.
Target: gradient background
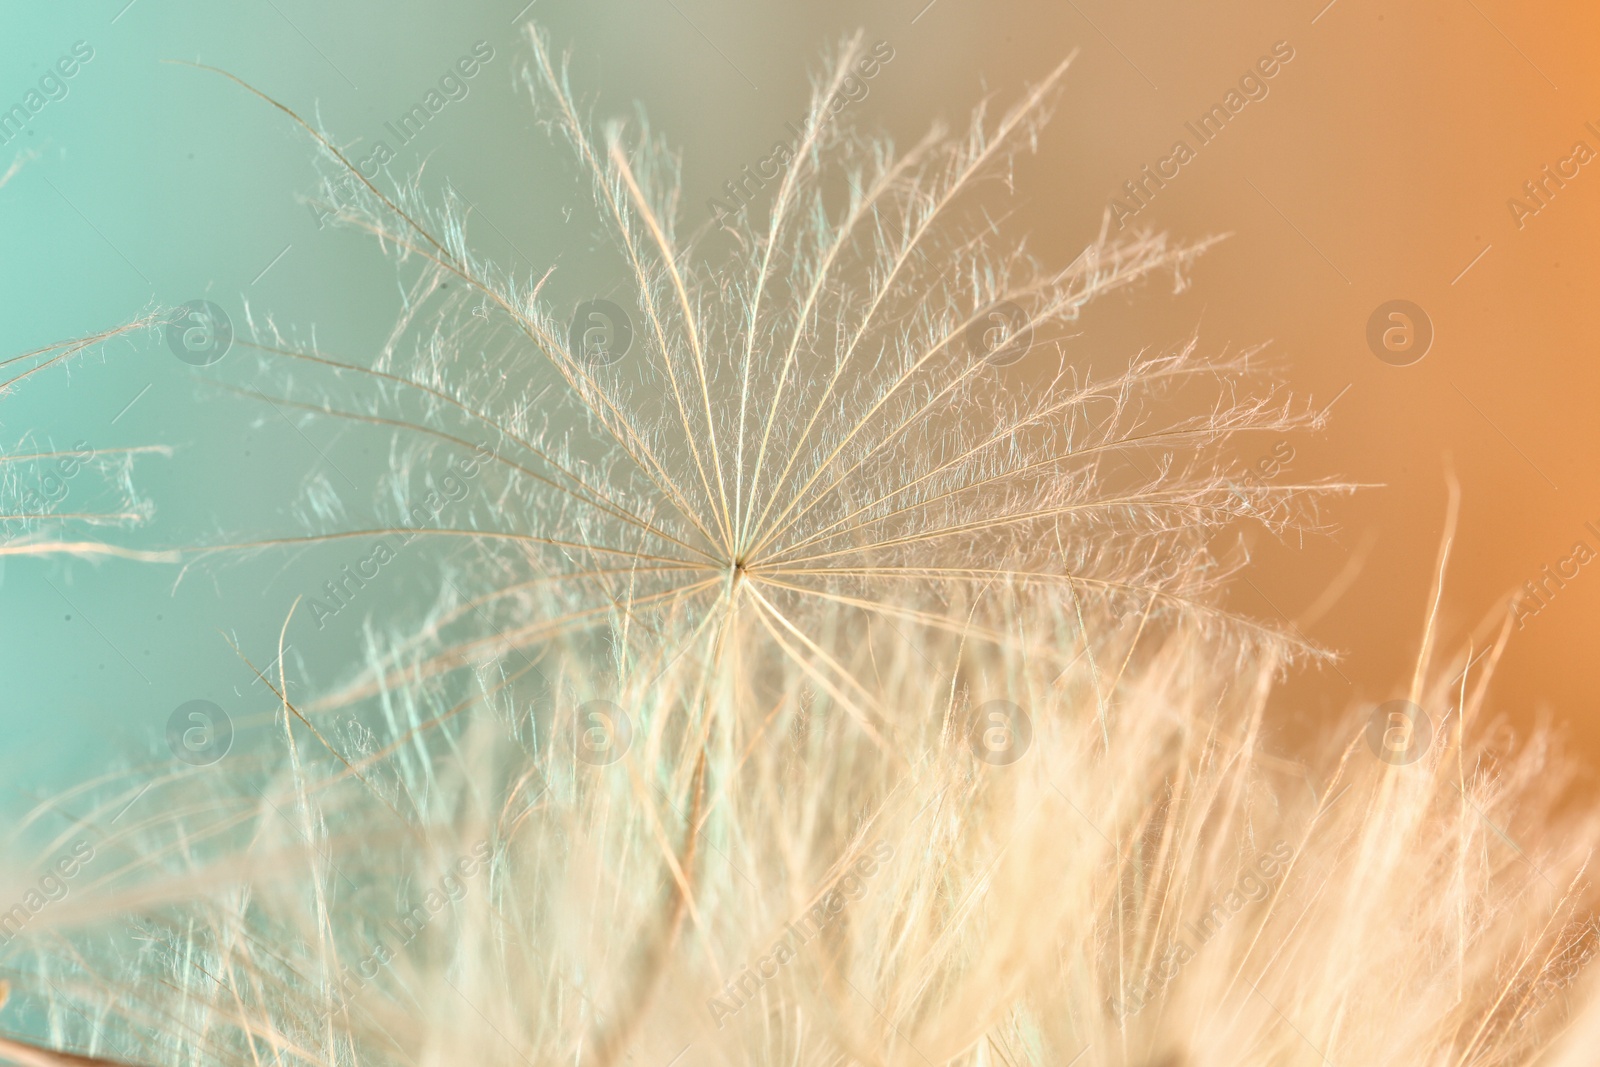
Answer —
(1378, 168)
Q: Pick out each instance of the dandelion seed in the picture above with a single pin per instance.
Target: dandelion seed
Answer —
(813, 417)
